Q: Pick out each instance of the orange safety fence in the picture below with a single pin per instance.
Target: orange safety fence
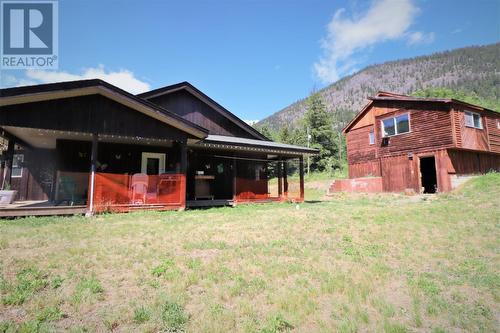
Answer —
(123, 192)
(269, 183)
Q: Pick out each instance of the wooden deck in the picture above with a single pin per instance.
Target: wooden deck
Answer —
(208, 203)
(38, 208)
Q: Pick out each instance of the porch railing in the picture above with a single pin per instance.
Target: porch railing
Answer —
(123, 192)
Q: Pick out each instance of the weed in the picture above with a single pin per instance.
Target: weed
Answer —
(141, 314)
(162, 268)
(394, 327)
(276, 324)
(50, 314)
(28, 281)
(86, 288)
(173, 317)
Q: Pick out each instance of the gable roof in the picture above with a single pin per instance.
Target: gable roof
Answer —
(209, 101)
(388, 96)
(42, 92)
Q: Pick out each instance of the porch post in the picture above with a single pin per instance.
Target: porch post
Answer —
(234, 181)
(9, 155)
(93, 160)
(285, 179)
(280, 182)
(183, 171)
(301, 174)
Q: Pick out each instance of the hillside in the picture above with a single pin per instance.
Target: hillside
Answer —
(474, 70)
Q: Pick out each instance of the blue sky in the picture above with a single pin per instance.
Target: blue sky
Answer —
(253, 57)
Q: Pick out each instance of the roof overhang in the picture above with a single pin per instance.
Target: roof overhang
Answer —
(250, 145)
(133, 102)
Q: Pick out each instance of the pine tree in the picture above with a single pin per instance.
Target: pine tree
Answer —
(319, 124)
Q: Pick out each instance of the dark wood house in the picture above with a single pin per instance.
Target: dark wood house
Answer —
(398, 143)
(88, 146)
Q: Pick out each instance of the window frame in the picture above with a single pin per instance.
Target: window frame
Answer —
(19, 167)
(393, 117)
(473, 124)
(371, 137)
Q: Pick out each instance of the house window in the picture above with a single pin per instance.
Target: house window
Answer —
(396, 125)
(17, 165)
(371, 137)
(498, 124)
(473, 119)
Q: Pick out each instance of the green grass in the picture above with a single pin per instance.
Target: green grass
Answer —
(347, 263)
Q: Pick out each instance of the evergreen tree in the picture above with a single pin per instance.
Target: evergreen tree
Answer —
(284, 135)
(319, 124)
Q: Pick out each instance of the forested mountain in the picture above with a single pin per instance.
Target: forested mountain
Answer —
(473, 70)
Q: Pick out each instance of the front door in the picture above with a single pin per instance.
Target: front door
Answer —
(153, 163)
(428, 174)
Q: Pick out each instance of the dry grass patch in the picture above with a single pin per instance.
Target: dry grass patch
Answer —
(347, 263)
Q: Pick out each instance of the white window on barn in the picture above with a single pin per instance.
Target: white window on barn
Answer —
(473, 119)
(371, 137)
(396, 125)
(17, 165)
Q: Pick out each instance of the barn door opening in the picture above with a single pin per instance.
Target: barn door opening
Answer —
(428, 174)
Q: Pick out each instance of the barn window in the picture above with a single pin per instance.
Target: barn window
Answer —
(473, 119)
(17, 165)
(396, 125)
(371, 137)
(498, 124)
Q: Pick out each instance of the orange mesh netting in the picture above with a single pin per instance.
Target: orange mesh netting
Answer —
(122, 192)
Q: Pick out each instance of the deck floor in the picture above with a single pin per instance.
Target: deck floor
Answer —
(209, 203)
(38, 208)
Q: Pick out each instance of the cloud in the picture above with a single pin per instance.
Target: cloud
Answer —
(123, 78)
(251, 122)
(348, 36)
(420, 38)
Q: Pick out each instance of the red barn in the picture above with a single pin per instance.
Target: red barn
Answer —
(399, 143)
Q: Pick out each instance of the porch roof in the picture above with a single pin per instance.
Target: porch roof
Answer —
(223, 141)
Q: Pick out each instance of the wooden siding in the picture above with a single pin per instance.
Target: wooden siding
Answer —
(429, 129)
(469, 137)
(37, 176)
(197, 111)
(89, 114)
(470, 162)
(358, 145)
(365, 169)
(492, 125)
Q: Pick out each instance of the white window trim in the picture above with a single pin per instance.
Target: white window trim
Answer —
(472, 114)
(498, 124)
(161, 163)
(384, 135)
(21, 174)
(371, 135)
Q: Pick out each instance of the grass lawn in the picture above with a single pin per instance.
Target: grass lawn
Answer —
(372, 263)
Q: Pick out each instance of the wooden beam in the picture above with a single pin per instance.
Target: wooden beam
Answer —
(183, 171)
(285, 179)
(9, 155)
(93, 162)
(280, 180)
(301, 173)
(234, 179)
